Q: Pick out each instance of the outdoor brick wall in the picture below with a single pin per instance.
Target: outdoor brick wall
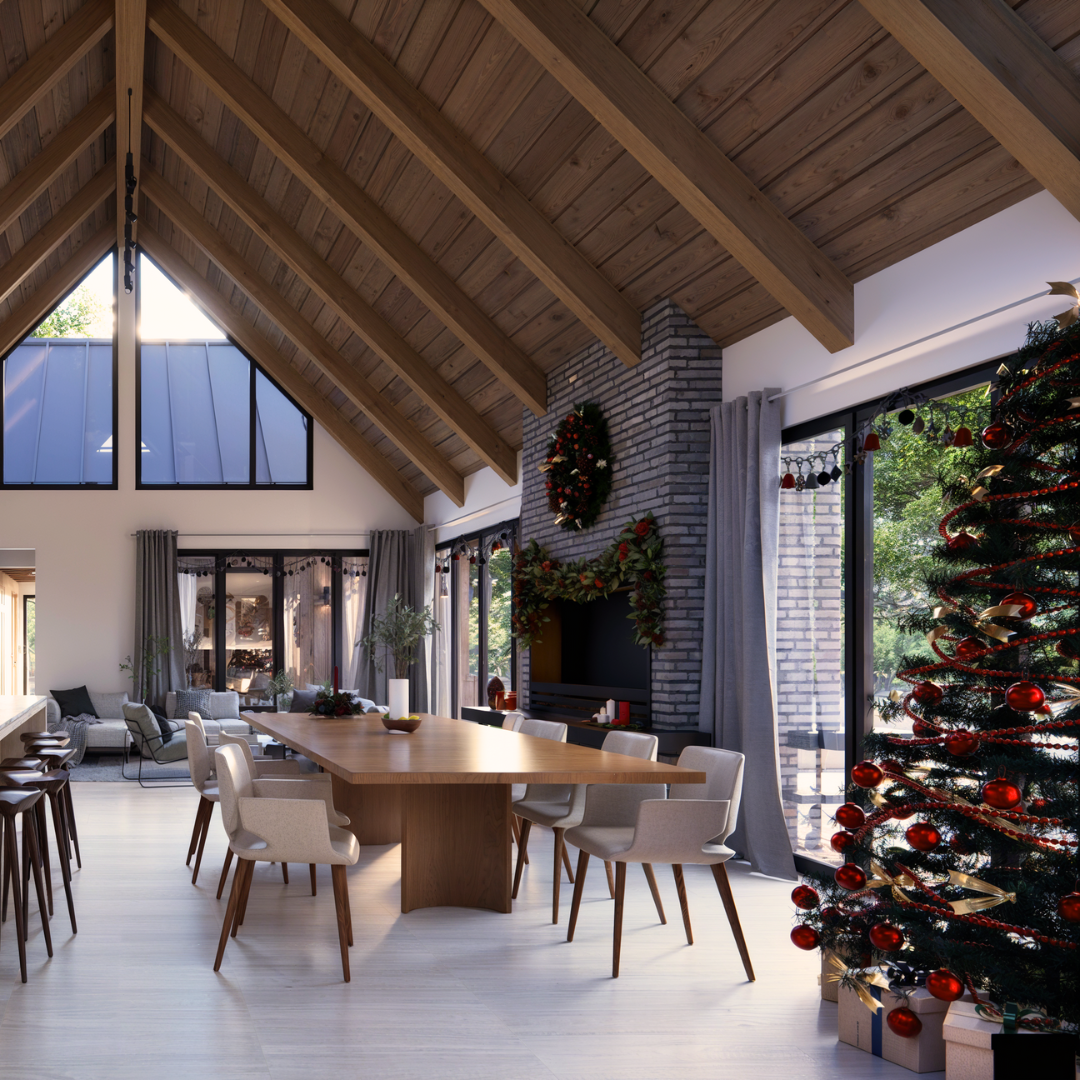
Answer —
(658, 418)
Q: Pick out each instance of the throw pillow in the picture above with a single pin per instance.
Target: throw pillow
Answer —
(192, 701)
(163, 724)
(302, 700)
(73, 702)
(146, 723)
(367, 704)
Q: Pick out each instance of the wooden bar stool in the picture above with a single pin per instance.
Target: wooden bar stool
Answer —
(58, 757)
(15, 801)
(56, 738)
(13, 779)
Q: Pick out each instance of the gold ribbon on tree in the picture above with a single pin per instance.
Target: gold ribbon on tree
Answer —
(858, 979)
(880, 878)
(991, 898)
(998, 611)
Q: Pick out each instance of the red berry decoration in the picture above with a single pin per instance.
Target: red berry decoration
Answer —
(850, 876)
(850, 815)
(866, 774)
(1025, 601)
(802, 896)
(962, 541)
(886, 937)
(1024, 696)
(928, 693)
(962, 743)
(944, 985)
(904, 1022)
(805, 937)
(841, 841)
(996, 436)
(922, 836)
(1001, 794)
(1069, 907)
(970, 649)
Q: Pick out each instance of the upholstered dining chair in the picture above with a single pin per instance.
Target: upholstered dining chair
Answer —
(201, 766)
(539, 729)
(690, 826)
(512, 721)
(562, 806)
(280, 820)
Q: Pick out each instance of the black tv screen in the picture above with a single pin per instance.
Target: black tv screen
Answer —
(598, 646)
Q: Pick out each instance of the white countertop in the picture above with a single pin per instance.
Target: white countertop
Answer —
(14, 708)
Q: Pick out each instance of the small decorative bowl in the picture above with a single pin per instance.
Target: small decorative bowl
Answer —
(406, 723)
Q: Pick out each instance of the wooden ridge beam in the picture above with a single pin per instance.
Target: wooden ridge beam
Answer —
(44, 242)
(130, 49)
(352, 384)
(25, 186)
(466, 172)
(282, 372)
(28, 315)
(1004, 75)
(53, 61)
(360, 214)
(363, 319)
(686, 162)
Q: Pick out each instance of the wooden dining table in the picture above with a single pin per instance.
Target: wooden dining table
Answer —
(443, 792)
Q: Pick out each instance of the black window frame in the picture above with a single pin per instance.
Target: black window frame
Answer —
(251, 484)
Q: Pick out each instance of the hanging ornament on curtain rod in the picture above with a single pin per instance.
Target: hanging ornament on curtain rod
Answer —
(490, 544)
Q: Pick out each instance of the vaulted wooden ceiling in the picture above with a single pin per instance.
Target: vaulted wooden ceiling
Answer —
(409, 210)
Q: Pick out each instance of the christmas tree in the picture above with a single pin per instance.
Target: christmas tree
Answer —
(960, 839)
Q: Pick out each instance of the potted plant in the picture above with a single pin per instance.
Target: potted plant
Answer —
(281, 686)
(154, 648)
(398, 631)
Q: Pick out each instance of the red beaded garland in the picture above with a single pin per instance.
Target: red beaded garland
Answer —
(904, 1022)
(902, 812)
(923, 729)
(928, 693)
(841, 841)
(850, 815)
(866, 774)
(962, 743)
(1001, 794)
(944, 985)
(1069, 907)
(805, 937)
(922, 836)
(802, 896)
(970, 649)
(886, 937)
(850, 876)
(1025, 601)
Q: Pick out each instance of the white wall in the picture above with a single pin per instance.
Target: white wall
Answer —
(488, 500)
(85, 550)
(1005, 258)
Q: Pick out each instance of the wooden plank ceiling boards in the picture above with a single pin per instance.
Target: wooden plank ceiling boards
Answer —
(408, 218)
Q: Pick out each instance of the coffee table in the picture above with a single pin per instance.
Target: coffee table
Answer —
(444, 793)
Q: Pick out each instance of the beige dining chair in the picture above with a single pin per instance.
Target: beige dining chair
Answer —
(539, 729)
(690, 826)
(280, 820)
(201, 765)
(562, 806)
(512, 721)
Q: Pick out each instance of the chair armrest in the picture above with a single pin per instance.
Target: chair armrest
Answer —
(677, 830)
(616, 804)
(273, 767)
(294, 829)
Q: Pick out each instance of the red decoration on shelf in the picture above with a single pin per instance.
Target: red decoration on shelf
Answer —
(1069, 907)
(850, 876)
(802, 896)
(805, 937)
(996, 436)
(922, 836)
(1024, 696)
(962, 743)
(850, 815)
(866, 774)
(841, 841)
(904, 1022)
(970, 649)
(944, 985)
(1001, 794)
(1025, 601)
(927, 693)
(886, 937)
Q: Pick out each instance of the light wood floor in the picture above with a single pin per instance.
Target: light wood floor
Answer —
(440, 993)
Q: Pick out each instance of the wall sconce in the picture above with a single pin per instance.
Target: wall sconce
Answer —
(324, 600)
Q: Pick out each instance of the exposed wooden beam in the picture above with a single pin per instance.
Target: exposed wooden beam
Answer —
(364, 321)
(360, 214)
(44, 242)
(686, 162)
(130, 47)
(1004, 75)
(53, 61)
(29, 314)
(306, 338)
(279, 369)
(465, 170)
(25, 186)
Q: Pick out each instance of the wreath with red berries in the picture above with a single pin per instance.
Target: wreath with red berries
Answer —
(578, 465)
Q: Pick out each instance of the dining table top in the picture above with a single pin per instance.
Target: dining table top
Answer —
(360, 750)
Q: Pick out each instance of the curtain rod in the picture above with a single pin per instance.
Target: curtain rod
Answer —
(233, 536)
(474, 514)
(912, 344)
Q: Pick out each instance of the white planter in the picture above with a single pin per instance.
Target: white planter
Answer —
(399, 698)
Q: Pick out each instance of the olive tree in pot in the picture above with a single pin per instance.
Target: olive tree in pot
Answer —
(397, 632)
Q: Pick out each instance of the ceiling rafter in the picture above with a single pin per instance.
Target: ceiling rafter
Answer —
(53, 61)
(401, 431)
(669, 145)
(334, 291)
(279, 369)
(130, 49)
(360, 214)
(44, 242)
(1004, 75)
(28, 315)
(466, 172)
(27, 184)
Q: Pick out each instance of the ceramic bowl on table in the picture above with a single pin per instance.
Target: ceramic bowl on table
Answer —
(406, 723)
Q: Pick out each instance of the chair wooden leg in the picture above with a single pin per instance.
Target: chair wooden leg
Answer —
(523, 846)
(43, 847)
(515, 825)
(311, 870)
(11, 873)
(348, 903)
(224, 873)
(207, 814)
(73, 830)
(60, 829)
(285, 872)
(196, 830)
(337, 874)
(719, 871)
(30, 840)
(680, 888)
(241, 904)
(579, 888)
(566, 864)
(610, 879)
(620, 892)
(650, 877)
(560, 853)
(230, 912)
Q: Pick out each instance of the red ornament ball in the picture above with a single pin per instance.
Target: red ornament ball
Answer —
(1025, 601)
(802, 896)
(1069, 648)
(922, 836)
(996, 436)
(962, 541)
(904, 1022)
(850, 815)
(866, 774)
(1025, 696)
(805, 937)
(923, 729)
(928, 693)
(841, 841)
(962, 743)
(886, 937)
(944, 985)
(1069, 907)
(970, 649)
(850, 876)
(1001, 794)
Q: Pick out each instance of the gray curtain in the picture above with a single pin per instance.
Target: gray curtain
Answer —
(395, 566)
(738, 684)
(157, 611)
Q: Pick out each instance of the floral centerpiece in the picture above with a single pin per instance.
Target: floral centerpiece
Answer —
(635, 559)
(578, 465)
(330, 703)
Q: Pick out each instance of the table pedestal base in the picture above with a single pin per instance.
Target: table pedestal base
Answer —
(455, 848)
(373, 809)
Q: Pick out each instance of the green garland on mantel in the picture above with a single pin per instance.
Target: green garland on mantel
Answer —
(635, 558)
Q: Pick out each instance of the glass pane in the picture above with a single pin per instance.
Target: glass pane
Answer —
(230, 379)
(24, 382)
(309, 657)
(441, 663)
(30, 642)
(286, 449)
(196, 583)
(465, 574)
(499, 601)
(60, 438)
(810, 652)
(249, 630)
(97, 436)
(195, 425)
(156, 452)
(354, 583)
